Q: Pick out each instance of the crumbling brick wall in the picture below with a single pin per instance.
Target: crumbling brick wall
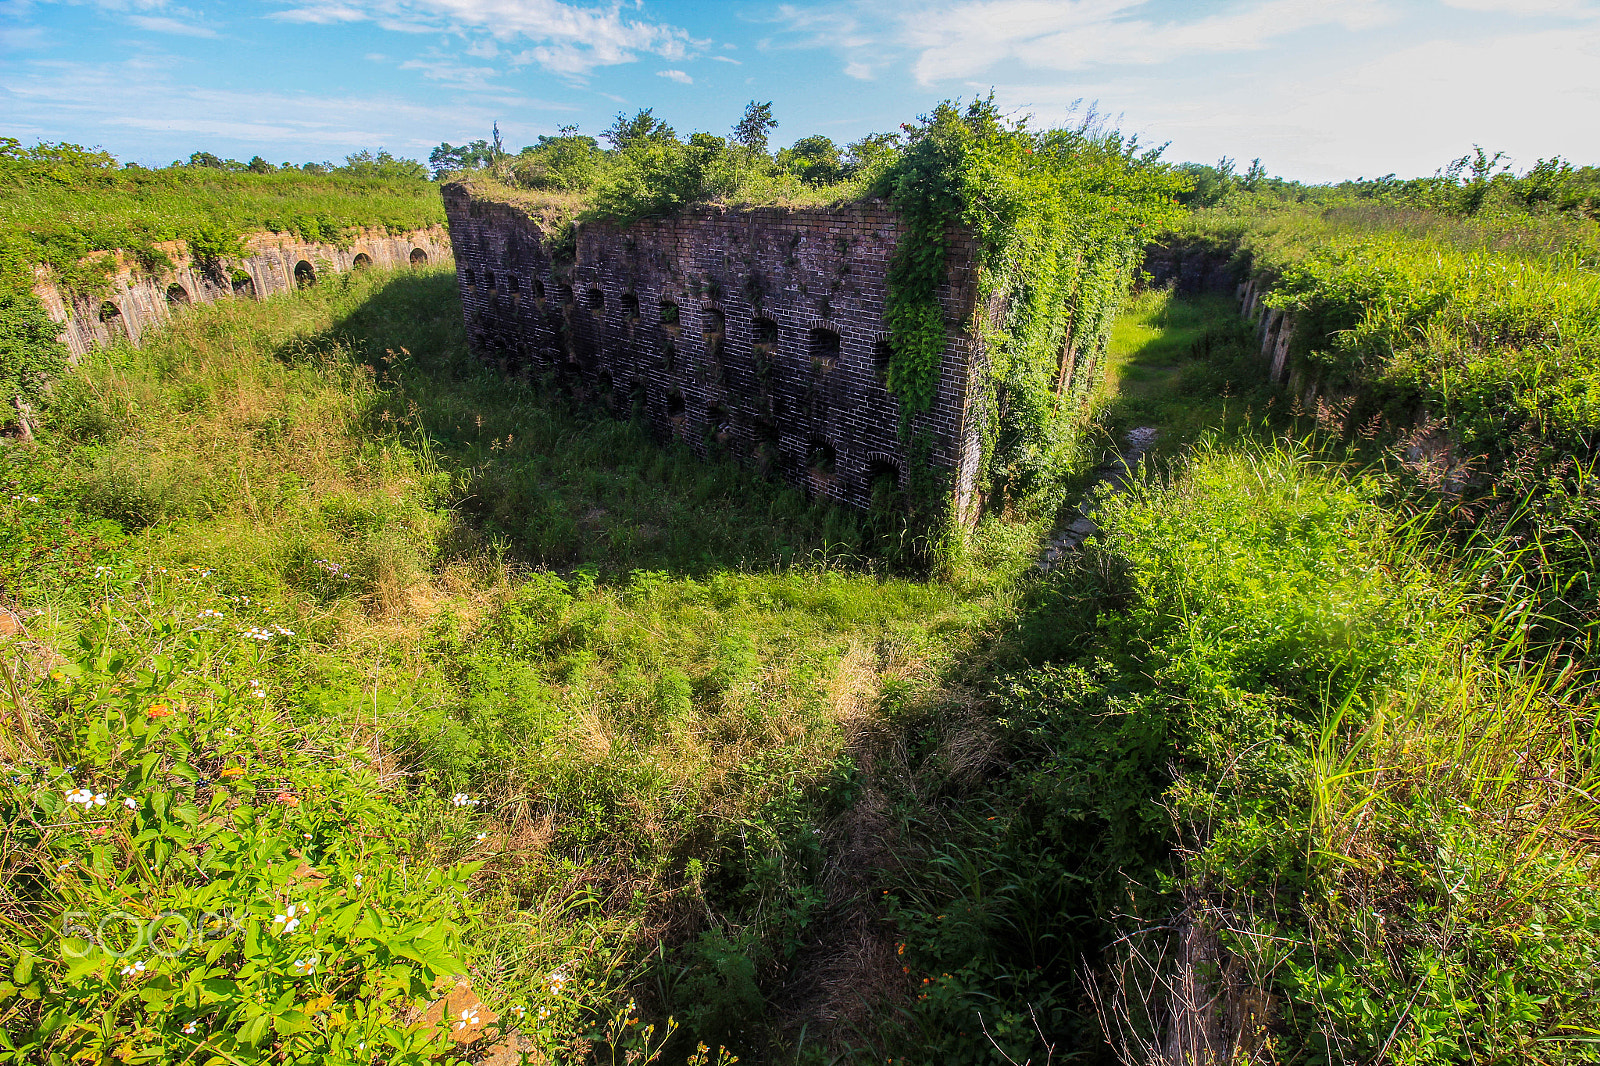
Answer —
(756, 331)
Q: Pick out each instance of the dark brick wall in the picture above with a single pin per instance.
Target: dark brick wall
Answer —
(777, 354)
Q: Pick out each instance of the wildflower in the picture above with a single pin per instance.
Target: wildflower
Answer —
(304, 967)
(287, 919)
(482, 837)
(64, 864)
(519, 1010)
(358, 880)
(307, 836)
(130, 803)
(102, 831)
(189, 1028)
(158, 710)
(469, 1016)
(543, 1013)
(80, 795)
(231, 771)
(461, 799)
(209, 613)
(133, 969)
(287, 799)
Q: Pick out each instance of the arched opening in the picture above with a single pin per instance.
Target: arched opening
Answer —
(304, 276)
(881, 354)
(669, 316)
(513, 284)
(361, 262)
(630, 307)
(764, 333)
(470, 276)
(177, 295)
(488, 280)
(608, 397)
(244, 285)
(419, 257)
(675, 404)
(883, 483)
(111, 319)
(538, 289)
(824, 350)
(821, 458)
(567, 298)
(712, 321)
(596, 300)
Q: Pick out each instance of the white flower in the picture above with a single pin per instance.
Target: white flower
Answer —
(519, 1010)
(469, 1016)
(304, 967)
(461, 799)
(189, 1028)
(131, 803)
(65, 864)
(482, 837)
(99, 799)
(133, 968)
(80, 795)
(209, 613)
(543, 1013)
(287, 919)
(358, 880)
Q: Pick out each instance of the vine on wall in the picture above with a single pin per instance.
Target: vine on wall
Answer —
(1060, 216)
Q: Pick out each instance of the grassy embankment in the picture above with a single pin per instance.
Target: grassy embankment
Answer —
(278, 572)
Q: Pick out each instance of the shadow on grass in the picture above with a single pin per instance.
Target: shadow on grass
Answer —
(559, 482)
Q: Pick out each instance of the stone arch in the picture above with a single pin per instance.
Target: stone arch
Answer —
(470, 276)
(244, 286)
(596, 300)
(719, 425)
(177, 295)
(111, 318)
(630, 307)
(882, 469)
(822, 458)
(825, 349)
(713, 321)
(676, 408)
(513, 284)
(764, 332)
(361, 262)
(419, 257)
(538, 290)
(488, 280)
(305, 275)
(669, 316)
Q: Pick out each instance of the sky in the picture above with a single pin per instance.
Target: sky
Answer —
(1319, 90)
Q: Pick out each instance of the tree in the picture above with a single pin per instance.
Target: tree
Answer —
(753, 127)
(257, 165)
(364, 164)
(814, 160)
(206, 159)
(643, 126)
(449, 158)
(566, 161)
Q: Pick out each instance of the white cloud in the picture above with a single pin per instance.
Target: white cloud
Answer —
(162, 24)
(1575, 8)
(566, 39)
(675, 75)
(728, 59)
(965, 39)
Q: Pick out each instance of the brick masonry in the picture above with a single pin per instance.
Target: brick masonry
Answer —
(756, 331)
(274, 262)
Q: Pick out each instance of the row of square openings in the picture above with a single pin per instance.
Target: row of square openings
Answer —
(825, 344)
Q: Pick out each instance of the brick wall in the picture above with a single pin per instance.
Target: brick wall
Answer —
(778, 348)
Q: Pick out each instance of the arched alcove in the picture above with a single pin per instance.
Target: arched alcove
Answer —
(470, 276)
(596, 301)
(419, 257)
(567, 297)
(244, 286)
(177, 295)
(538, 289)
(488, 280)
(764, 332)
(630, 307)
(513, 284)
(361, 262)
(669, 315)
(111, 319)
(882, 474)
(882, 352)
(825, 348)
(304, 275)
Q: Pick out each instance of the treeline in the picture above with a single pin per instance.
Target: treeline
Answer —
(1473, 184)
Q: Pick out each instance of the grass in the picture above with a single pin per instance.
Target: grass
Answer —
(499, 688)
(647, 669)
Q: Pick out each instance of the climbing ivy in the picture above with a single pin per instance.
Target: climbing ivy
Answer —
(1059, 216)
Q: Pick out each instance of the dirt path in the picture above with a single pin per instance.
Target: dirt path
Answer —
(1116, 473)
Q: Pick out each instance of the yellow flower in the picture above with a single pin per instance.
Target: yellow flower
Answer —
(231, 771)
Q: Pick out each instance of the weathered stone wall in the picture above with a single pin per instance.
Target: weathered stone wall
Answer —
(758, 331)
(136, 303)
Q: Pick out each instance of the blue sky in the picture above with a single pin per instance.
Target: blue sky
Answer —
(1318, 89)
